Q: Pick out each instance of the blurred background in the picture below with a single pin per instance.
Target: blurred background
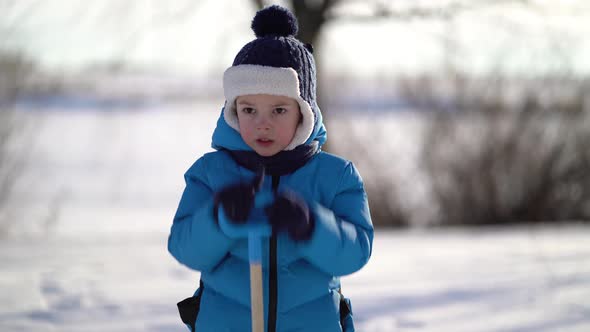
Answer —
(457, 113)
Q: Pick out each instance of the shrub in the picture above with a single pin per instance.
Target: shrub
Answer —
(503, 151)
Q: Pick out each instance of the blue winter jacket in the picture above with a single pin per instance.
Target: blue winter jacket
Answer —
(301, 280)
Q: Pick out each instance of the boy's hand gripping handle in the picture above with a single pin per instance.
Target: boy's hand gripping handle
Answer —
(254, 229)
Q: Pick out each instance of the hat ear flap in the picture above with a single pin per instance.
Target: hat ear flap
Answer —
(309, 47)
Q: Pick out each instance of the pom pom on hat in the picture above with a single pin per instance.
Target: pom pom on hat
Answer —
(275, 20)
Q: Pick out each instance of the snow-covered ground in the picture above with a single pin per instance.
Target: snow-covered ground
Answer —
(86, 247)
(525, 279)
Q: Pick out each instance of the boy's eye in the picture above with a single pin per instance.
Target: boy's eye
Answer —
(248, 110)
(280, 110)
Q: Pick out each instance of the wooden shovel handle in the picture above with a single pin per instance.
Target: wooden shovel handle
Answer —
(256, 298)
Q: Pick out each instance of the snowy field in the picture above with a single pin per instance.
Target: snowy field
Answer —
(86, 247)
(527, 279)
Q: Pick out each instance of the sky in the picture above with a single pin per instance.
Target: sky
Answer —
(200, 37)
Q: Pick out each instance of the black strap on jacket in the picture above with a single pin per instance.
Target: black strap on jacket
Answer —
(189, 308)
(273, 287)
(345, 309)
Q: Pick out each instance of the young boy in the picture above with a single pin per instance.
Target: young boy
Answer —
(268, 137)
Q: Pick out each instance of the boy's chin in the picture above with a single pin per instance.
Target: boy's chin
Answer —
(266, 153)
(268, 150)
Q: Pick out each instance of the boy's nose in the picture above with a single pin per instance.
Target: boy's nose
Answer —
(263, 123)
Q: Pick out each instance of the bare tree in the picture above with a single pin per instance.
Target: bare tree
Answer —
(14, 71)
(15, 74)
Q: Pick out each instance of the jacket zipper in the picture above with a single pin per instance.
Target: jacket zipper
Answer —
(272, 278)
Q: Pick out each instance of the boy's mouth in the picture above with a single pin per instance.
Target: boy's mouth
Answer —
(264, 141)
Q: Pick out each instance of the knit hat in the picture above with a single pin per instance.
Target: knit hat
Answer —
(275, 63)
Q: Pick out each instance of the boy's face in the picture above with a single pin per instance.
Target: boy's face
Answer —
(267, 122)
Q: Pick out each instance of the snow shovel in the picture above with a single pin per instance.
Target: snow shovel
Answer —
(255, 229)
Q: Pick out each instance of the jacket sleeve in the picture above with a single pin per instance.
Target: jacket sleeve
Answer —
(195, 238)
(343, 236)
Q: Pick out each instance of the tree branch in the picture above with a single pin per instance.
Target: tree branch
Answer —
(327, 5)
(259, 4)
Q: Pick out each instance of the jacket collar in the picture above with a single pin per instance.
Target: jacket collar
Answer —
(282, 163)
